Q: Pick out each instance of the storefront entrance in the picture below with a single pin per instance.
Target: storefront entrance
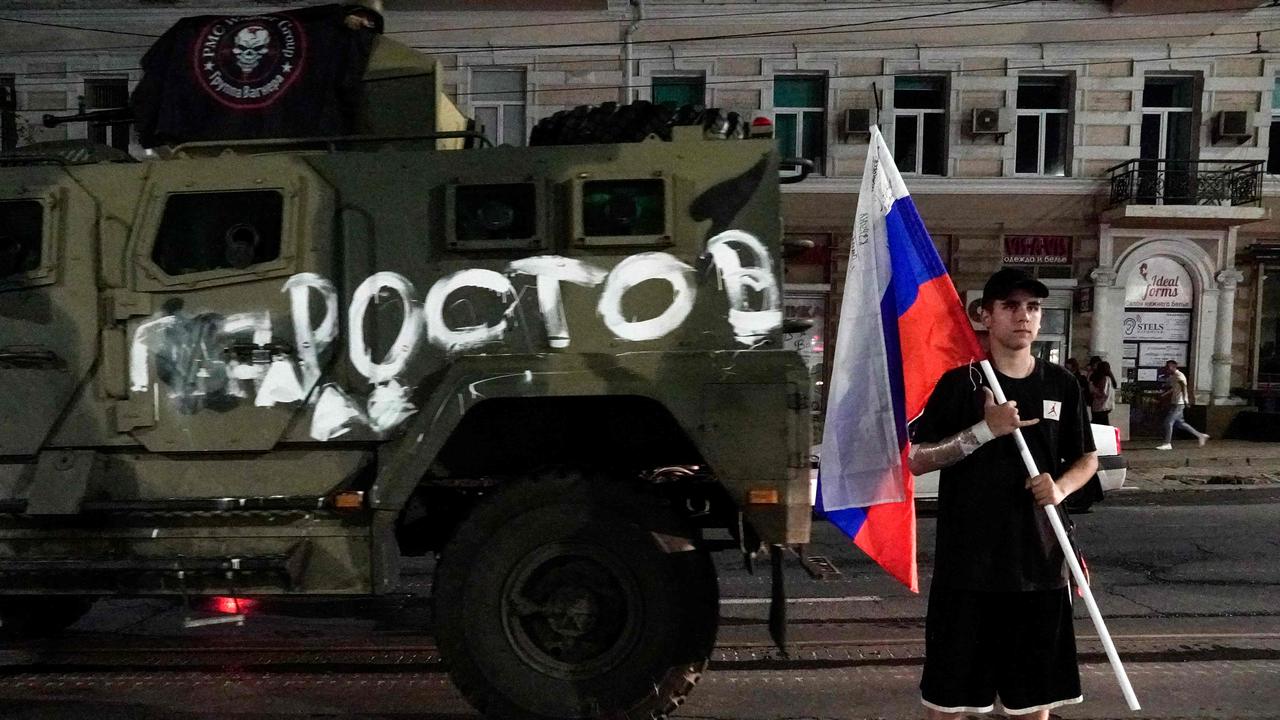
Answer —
(1156, 328)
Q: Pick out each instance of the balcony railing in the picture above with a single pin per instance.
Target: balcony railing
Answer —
(1150, 181)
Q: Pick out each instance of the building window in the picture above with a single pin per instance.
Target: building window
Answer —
(800, 117)
(1054, 339)
(8, 113)
(498, 103)
(1269, 326)
(1168, 136)
(679, 90)
(1273, 149)
(920, 124)
(1043, 125)
(1168, 104)
(106, 94)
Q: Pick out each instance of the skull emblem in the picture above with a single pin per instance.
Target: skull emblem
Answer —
(251, 44)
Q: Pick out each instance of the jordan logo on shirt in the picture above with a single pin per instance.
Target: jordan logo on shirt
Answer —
(1052, 410)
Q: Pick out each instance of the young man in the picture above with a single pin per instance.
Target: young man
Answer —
(999, 625)
(1178, 398)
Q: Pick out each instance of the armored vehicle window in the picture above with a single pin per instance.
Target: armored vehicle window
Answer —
(614, 208)
(495, 212)
(215, 231)
(21, 236)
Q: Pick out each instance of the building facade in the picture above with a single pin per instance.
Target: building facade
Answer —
(1120, 150)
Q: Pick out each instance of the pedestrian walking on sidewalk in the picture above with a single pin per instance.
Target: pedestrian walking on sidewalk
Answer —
(998, 629)
(1178, 397)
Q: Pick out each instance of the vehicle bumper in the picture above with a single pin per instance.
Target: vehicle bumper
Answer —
(1112, 470)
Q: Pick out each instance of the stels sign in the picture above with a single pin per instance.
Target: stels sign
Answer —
(1037, 249)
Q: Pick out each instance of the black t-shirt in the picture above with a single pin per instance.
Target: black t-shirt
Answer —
(991, 534)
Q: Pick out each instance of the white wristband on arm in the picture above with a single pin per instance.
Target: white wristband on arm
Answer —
(932, 456)
(982, 433)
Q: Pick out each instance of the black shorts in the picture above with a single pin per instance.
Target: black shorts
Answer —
(1015, 647)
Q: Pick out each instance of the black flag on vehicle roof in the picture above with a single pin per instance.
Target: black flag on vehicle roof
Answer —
(288, 74)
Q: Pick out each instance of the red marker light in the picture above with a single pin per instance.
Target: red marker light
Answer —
(233, 605)
(761, 126)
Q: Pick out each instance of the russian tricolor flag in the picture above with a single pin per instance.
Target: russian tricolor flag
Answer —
(901, 327)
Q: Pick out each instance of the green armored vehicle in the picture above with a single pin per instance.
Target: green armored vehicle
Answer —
(274, 366)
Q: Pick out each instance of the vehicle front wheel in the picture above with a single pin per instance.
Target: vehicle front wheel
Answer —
(575, 597)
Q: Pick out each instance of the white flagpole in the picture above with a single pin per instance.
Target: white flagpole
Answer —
(1076, 571)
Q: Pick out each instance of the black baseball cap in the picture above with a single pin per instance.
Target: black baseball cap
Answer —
(1005, 280)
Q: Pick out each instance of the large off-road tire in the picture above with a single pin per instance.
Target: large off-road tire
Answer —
(613, 123)
(575, 597)
(24, 618)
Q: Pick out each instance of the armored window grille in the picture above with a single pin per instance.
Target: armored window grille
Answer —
(207, 231)
(617, 208)
(494, 216)
(21, 237)
(635, 212)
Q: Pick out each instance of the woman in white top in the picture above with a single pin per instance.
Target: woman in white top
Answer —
(1102, 386)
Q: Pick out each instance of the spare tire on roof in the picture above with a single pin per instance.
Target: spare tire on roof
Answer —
(613, 123)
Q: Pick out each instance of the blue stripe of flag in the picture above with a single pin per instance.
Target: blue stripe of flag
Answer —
(913, 259)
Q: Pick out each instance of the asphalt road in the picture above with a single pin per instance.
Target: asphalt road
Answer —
(1186, 580)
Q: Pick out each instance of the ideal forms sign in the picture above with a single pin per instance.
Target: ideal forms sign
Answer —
(1159, 282)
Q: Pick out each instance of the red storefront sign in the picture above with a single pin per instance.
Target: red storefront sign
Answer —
(1037, 249)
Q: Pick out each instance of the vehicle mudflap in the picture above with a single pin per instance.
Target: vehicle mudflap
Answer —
(778, 601)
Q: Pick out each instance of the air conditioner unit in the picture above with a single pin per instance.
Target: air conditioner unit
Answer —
(857, 120)
(1233, 125)
(991, 121)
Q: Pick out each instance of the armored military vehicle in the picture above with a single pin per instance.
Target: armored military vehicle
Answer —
(275, 366)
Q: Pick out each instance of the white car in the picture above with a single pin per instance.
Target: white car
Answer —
(1112, 468)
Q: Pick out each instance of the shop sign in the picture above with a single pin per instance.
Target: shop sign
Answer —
(811, 308)
(1155, 355)
(1159, 282)
(1159, 326)
(1082, 299)
(1037, 249)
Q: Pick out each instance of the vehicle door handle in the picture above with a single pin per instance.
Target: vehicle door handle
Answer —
(30, 357)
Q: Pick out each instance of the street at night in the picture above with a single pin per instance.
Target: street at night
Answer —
(638, 359)
(1186, 579)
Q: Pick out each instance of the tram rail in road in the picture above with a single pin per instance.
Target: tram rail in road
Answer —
(94, 653)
